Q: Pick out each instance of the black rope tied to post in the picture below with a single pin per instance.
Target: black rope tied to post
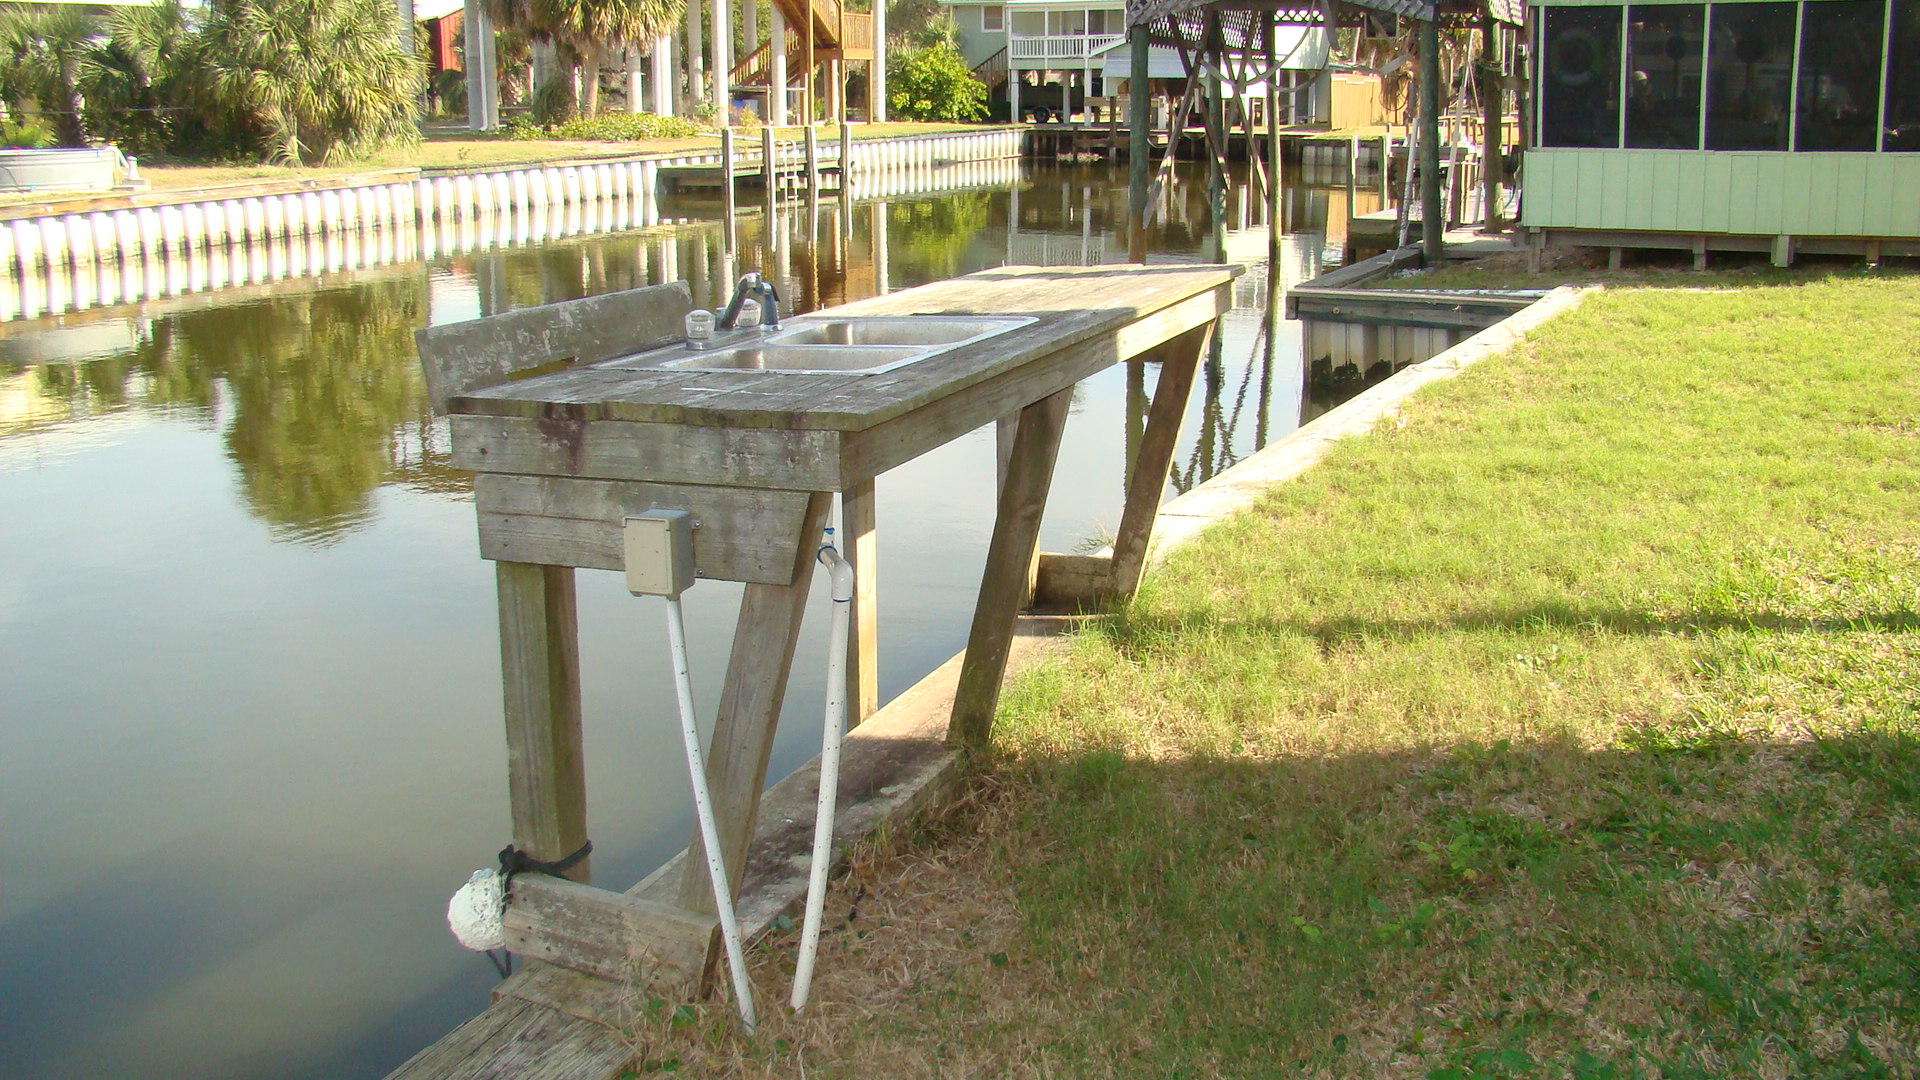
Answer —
(514, 861)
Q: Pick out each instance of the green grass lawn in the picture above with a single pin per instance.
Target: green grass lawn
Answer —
(1568, 726)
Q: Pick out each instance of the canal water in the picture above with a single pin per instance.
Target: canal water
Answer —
(249, 707)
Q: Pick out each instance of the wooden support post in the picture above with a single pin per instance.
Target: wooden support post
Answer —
(1873, 253)
(1433, 229)
(769, 154)
(861, 546)
(1616, 258)
(540, 672)
(1016, 533)
(1004, 430)
(1700, 252)
(1386, 172)
(727, 165)
(750, 699)
(1151, 468)
(1493, 117)
(1139, 149)
(1783, 250)
(1457, 185)
(813, 160)
(846, 155)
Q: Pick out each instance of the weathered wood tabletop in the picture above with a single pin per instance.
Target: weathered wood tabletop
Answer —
(1071, 305)
(829, 432)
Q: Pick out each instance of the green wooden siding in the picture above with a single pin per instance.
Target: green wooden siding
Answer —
(1740, 192)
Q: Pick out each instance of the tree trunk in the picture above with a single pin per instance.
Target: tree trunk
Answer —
(591, 53)
(67, 124)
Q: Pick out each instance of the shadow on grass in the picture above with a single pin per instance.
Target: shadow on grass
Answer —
(1688, 908)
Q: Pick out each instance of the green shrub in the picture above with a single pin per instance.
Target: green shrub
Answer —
(934, 83)
(26, 133)
(607, 127)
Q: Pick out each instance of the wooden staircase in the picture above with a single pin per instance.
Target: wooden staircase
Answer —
(992, 71)
(838, 35)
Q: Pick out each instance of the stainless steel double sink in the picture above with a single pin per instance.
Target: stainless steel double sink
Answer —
(831, 345)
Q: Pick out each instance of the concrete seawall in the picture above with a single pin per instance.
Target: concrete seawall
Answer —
(168, 245)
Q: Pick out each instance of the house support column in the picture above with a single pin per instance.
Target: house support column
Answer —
(1139, 146)
(483, 89)
(1432, 218)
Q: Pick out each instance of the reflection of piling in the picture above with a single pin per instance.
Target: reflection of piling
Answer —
(726, 173)
(1139, 146)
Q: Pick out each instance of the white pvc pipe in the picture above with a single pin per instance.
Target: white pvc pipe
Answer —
(836, 721)
(703, 807)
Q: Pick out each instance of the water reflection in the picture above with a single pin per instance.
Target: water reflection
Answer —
(320, 403)
(250, 633)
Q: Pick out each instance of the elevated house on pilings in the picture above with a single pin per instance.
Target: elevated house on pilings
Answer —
(1782, 126)
(1226, 43)
(819, 39)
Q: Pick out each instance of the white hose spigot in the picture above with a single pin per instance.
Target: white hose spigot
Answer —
(842, 582)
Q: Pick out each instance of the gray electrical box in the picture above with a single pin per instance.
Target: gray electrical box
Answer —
(659, 549)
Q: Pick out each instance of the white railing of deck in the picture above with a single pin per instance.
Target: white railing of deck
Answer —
(1060, 46)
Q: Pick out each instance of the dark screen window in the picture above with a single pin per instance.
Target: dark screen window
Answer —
(1580, 91)
(1903, 77)
(1665, 51)
(1840, 75)
(1750, 76)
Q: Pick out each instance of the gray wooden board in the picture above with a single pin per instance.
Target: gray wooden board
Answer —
(875, 450)
(540, 673)
(744, 534)
(1008, 576)
(1070, 304)
(605, 933)
(517, 1040)
(465, 356)
(669, 453)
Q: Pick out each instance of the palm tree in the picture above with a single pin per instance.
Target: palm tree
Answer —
(323, 79)
(135, 83)
(589, 29)
(42, 52)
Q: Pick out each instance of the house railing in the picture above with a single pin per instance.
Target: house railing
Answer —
(1060, 46)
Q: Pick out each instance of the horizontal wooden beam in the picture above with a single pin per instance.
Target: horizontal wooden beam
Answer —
(1072, 582)
(663, 453)
(605, 933)
(742, 534)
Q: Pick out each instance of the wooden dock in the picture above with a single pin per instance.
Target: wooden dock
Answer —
(1104, 139)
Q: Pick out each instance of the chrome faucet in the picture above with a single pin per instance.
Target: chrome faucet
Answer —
(760, 289)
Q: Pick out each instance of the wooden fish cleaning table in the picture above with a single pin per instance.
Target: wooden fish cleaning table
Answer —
(566, 443)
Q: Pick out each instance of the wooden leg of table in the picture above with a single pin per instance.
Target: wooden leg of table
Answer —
(862, 546)
(1149, 478)
(750, 700)
(1005, 582)
(540, 672)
